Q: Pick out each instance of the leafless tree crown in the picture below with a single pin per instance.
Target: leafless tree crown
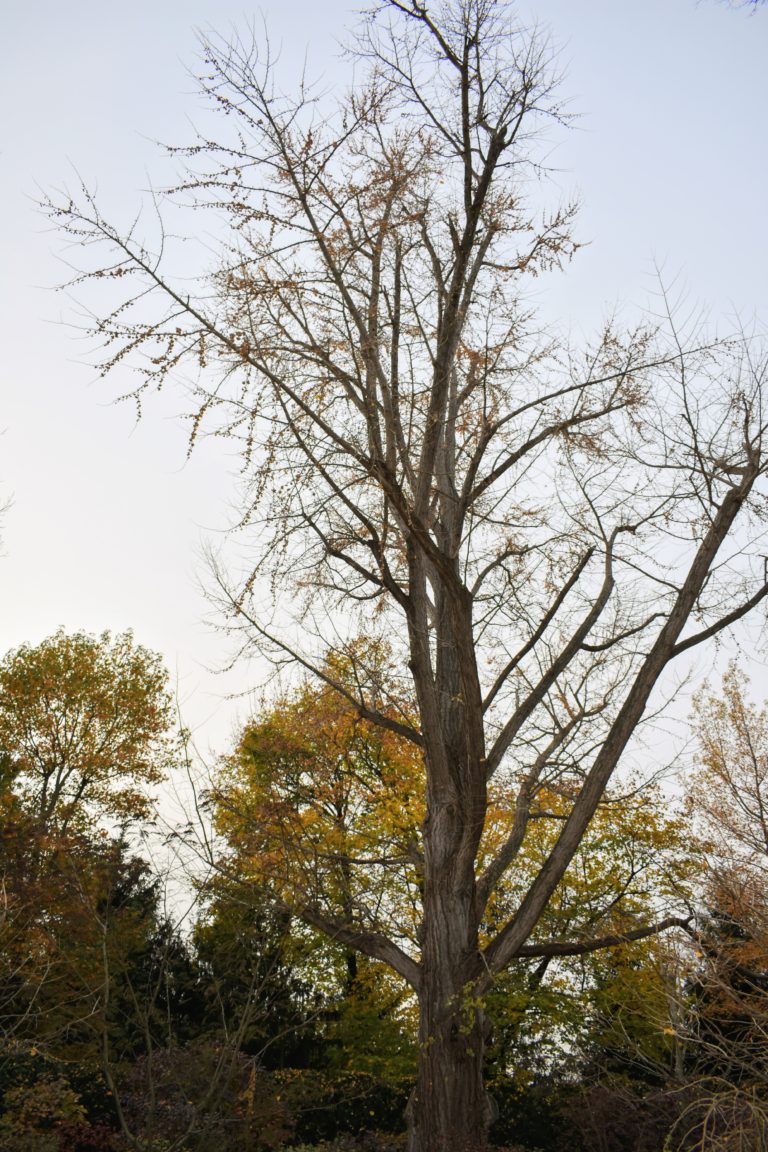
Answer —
(542, 529)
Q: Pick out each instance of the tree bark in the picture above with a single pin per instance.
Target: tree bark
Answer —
(449, 1110)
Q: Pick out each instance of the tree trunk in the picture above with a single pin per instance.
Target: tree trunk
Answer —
(449, 1110)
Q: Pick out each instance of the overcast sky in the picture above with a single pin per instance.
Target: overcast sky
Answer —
(668, 156)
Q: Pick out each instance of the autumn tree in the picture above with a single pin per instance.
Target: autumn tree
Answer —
(311, 794)
(314, 796)
(728, 789)
(85, 904)
(728, 795)
(540, 531)
(84, 728)
(85, 732)
(726, 1023)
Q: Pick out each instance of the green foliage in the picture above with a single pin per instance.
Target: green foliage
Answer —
(551, 1015)
(48, 1105)
(372, 1029)
(253, 979)
(633, 1015)
(637, 857)
(325, 1105)
(537, 1024)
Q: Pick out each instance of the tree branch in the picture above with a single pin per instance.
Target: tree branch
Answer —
(551, 948)
(373, 944)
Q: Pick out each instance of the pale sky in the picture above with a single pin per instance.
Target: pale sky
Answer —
(669, 157)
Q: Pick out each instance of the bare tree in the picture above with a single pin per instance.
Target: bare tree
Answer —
(539, 533)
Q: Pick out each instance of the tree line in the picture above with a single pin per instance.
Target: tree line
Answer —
(126, 1023)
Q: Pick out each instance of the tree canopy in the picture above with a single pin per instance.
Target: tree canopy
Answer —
(84, 727)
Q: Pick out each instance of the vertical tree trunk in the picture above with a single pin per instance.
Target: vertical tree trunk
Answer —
(449, 1109)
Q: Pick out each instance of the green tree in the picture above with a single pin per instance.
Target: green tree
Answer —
(566, 1012)
(540, 531)
(256, 990)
